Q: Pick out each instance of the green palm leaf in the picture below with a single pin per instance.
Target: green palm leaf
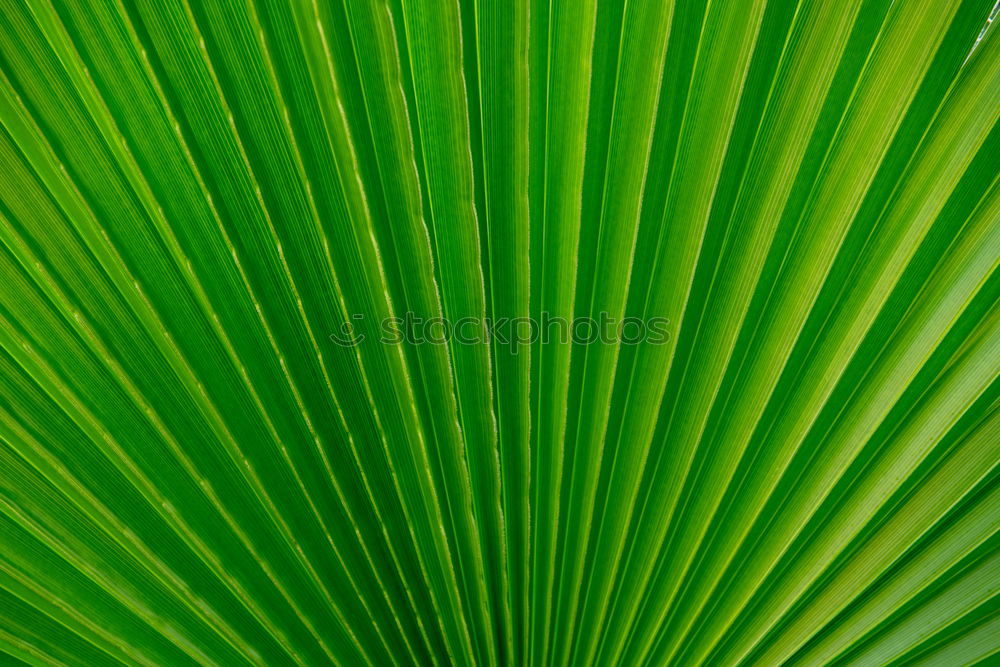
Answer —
(537, 332)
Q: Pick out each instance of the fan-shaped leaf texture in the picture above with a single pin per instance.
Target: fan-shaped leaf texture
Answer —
(499, 332)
